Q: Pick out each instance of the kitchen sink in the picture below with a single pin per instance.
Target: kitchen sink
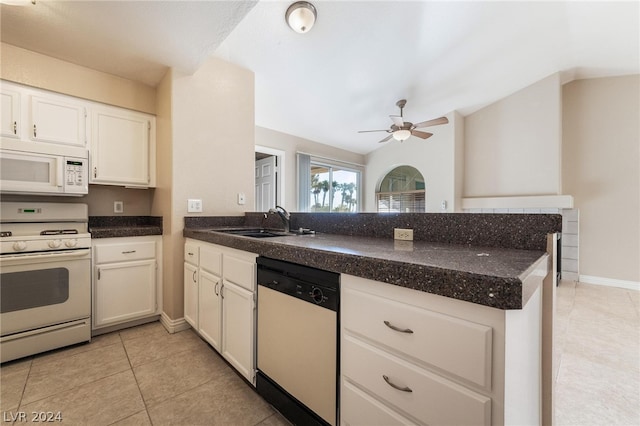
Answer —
(255, 233)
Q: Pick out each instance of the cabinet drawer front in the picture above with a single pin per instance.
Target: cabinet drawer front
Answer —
(122, 252)
(192, 253)
(210, 259)
(457, 346)
(432, 399)
(359, 408)
(240, 271)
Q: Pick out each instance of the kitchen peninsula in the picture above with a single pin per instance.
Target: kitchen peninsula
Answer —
(469, 287)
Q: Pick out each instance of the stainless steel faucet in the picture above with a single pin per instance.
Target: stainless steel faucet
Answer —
(284, 216)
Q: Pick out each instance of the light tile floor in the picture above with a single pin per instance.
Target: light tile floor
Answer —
(138, 376)
(597, 350)
(144, 375)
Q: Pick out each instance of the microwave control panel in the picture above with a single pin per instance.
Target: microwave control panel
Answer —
(76, 175)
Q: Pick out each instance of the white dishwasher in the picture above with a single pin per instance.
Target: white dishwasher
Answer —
(297, 341)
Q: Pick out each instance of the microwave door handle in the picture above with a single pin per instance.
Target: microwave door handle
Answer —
(59, 171)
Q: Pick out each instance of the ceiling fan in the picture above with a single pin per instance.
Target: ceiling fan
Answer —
(401, 130)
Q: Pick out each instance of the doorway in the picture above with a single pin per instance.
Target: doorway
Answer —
(269, 178)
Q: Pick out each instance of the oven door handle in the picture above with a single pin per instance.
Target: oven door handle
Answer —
(29, 258)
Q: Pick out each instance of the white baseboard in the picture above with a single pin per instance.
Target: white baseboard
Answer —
(173, 326)
(610, 282)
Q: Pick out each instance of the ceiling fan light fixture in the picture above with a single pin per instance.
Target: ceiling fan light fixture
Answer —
(301, 16)
(401, 135)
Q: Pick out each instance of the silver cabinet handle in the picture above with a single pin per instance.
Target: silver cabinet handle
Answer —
(401, 330)
(194, 276)
(128, 252)
(95, 172)
(215, 288)
(35, 134)
(393, 385)
(15, 127)
(190, 254)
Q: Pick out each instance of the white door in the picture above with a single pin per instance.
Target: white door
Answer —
(191, 295)
(210, 308)
(238, 327)
(58, 120)
(10, 113)
(266, 185)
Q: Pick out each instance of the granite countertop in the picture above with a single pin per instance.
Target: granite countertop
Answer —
(124, 226)
(502, 278)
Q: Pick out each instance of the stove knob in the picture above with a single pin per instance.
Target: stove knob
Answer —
(55, 243)
(19, 245)
(71, 243)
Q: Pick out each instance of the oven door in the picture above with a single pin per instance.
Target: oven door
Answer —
(42, 289)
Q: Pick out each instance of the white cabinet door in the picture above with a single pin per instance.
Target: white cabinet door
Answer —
(10, 113)
(58, 119)
(124, 291)
(210, 308)
(191, 294)
(238, 319)
(120, 147)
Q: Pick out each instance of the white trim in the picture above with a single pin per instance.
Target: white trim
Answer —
(525, 202)
(173, 326)
(610, 282)
(333, 160)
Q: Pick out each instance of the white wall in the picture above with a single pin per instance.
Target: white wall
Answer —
(438, 158)
(291, 144)
(601, 163)
(513, 146)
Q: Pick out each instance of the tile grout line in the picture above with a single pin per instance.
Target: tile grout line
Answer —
(146, 408)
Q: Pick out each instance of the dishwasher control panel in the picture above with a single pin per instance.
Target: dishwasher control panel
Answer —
(302, 282)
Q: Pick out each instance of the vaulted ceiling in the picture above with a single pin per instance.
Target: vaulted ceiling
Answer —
(347, 73)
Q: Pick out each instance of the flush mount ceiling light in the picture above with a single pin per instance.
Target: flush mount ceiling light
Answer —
(301, 16)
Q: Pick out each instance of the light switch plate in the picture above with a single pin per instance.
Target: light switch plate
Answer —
(194, 206)
(118, 207)
(241, 198)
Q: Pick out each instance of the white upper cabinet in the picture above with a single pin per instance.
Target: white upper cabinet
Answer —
(58, 119)
(122, 147)
(10, 121)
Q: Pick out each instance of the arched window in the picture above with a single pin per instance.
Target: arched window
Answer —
(402, 191)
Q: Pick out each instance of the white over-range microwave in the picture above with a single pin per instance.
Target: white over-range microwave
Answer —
(44, 172)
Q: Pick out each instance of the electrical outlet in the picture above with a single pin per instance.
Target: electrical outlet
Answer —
(403, 234)
(118, 207)
(194, 206)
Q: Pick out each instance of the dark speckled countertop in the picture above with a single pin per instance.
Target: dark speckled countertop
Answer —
(486, 274)
(124, 226)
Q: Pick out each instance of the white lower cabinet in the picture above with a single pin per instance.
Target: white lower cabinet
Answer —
(126, 282)
(409, 357)
(219, 297)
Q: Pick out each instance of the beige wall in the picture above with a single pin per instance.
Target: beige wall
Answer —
(210, 152)
(512, 147)
(172, 291)
(291, 145)
(37, 70)
(438, 158)
(601, 162)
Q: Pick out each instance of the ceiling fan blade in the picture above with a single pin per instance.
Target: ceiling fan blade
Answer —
(434, 122)
(368, 131)
(423, 135)
(386, 139)
(397, 120)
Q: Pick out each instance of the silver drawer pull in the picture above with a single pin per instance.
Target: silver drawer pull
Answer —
(401, 330)
(393, 385)
(128, 252)
(190, 254)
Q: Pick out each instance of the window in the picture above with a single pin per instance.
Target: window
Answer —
(331, 187)
(402, 191)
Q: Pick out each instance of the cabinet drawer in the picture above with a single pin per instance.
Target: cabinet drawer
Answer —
(457, 346)
(210, 259)
(359, 408)
(240, 271)
(432, 399)
(191, 253)
(126, 251)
